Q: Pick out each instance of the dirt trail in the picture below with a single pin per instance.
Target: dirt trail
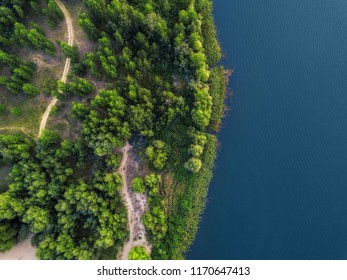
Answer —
(133, 203)
(17, 128)
(24, 250)
(70, 32)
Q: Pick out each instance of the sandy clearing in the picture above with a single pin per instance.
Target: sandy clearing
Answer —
(136, 205)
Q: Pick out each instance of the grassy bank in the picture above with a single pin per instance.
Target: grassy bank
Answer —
(185, 193)
(185, 219)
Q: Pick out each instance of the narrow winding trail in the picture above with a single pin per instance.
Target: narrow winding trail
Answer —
(70, 32)
(17, 128)
(134, 219)
(24, 250)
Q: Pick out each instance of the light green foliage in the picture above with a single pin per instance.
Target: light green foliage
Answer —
(155, 219)
(138, 185)
(21, 74)
(193, 165)
(48, 138)
(16, 111)
(10, 207)
(104, 61)
(38, 218)
(13, 148)
(156, 153)
(195, 150)
(113, 161)
(88, 26)
(155, 222)
(138, 253)
(218, 92)
(30, 89)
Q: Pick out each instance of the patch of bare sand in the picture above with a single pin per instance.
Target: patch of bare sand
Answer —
(21, 251)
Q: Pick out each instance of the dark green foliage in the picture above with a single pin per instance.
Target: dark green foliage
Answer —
(2, 108)
(21, 75)
(159, 56)
(104, 127)
(49, 86)
(104, 61)
(77, 86)
(8, 235)
(72, 220)
(185, 218)
(11, 12)
(155, 59)
(70, 51)
(53, 12)
(33, 37)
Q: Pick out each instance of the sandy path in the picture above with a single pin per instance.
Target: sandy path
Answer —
(24, 250)
(70, 32)
(136, 227)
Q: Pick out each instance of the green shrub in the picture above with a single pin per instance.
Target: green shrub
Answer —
(2, 108)
(138, 185)
(138, 253)
(16, 111)
(30, 89)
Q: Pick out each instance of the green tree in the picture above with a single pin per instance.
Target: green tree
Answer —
(70, 51)
(8, 235)
(30, 89)
(38, 218)
(88, 26)
(138, 253)
(157, 154)
(193, 165)
(138, 185)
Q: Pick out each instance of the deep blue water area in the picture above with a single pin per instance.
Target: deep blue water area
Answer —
(280, 186)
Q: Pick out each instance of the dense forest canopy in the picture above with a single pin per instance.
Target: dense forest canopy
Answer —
(162, 91)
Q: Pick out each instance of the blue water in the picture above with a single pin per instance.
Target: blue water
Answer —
(280, 184)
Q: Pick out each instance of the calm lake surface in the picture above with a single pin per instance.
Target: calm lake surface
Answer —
(280, 184)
